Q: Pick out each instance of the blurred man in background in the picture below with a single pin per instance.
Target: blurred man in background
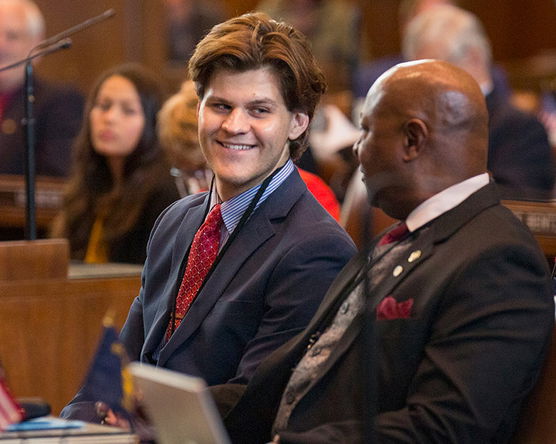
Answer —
(57, 109)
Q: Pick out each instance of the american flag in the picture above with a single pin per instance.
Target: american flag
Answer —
(10, 412)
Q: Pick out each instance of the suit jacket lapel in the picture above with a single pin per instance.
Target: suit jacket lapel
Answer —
(441, 228)
(438, 231)
(243, 247)
(190, 223)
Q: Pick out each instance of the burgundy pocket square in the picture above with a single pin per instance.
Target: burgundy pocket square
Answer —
(389, 309)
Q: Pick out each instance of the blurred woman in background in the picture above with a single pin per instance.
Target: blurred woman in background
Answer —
(119, 182)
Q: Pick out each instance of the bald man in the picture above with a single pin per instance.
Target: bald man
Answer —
(461, 304)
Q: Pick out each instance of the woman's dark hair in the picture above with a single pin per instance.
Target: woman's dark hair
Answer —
(91, 190)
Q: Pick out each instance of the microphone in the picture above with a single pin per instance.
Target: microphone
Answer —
(77, 28)
(62, 44)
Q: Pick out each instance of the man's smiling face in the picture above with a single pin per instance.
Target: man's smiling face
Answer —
(244, 128)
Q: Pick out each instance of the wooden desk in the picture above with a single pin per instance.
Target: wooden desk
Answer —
(540, 217)
(48, 200)
(49, 330)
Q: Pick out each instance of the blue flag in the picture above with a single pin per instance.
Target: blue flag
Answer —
(108, 380)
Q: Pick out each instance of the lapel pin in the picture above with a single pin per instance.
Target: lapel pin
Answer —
(414, 256)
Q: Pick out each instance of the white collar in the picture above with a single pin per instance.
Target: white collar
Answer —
(444, 201)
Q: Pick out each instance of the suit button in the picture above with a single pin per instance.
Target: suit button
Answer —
(315, 351)
(290, 397)
(414, 256)
(344, 308)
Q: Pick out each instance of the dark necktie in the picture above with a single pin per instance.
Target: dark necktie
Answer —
(202, 254)
(394, 235)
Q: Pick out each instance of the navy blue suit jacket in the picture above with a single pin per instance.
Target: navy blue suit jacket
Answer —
(264, 290)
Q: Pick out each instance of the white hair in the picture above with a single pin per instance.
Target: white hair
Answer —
(34, 16)
(452, 31)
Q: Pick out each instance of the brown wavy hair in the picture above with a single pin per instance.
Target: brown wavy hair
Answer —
(253, 41)
(90, 190)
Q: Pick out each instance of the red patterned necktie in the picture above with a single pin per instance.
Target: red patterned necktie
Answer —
(394, 235)
(202, 254)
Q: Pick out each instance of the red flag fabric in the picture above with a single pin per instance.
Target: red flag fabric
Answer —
(10, 411)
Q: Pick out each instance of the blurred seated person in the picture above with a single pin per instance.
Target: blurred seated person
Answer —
(57, 108)
(519, 155)
(332, 26)
(177, 130)
(366, 74)
(330, 141)
(120, 181)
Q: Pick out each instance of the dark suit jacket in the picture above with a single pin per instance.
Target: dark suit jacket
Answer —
(519, 153)
(265, 289)
(455, 371)
(57, 112)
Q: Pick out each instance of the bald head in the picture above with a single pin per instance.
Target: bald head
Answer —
(21, 28)
(447, 97)
(425, 128)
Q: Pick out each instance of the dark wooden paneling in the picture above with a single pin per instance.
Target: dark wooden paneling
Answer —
(93, 49)
(517, 30)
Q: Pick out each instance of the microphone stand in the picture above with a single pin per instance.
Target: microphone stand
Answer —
(48, 46)
(29, 134)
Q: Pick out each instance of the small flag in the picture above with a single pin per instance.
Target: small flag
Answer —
(10, 411)
(108, 380)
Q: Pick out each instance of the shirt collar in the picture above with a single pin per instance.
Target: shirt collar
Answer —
(486, 87)
(233, 209)
(444, 201)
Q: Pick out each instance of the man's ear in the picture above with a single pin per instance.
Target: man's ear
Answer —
(298, 125)
(415, 135)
